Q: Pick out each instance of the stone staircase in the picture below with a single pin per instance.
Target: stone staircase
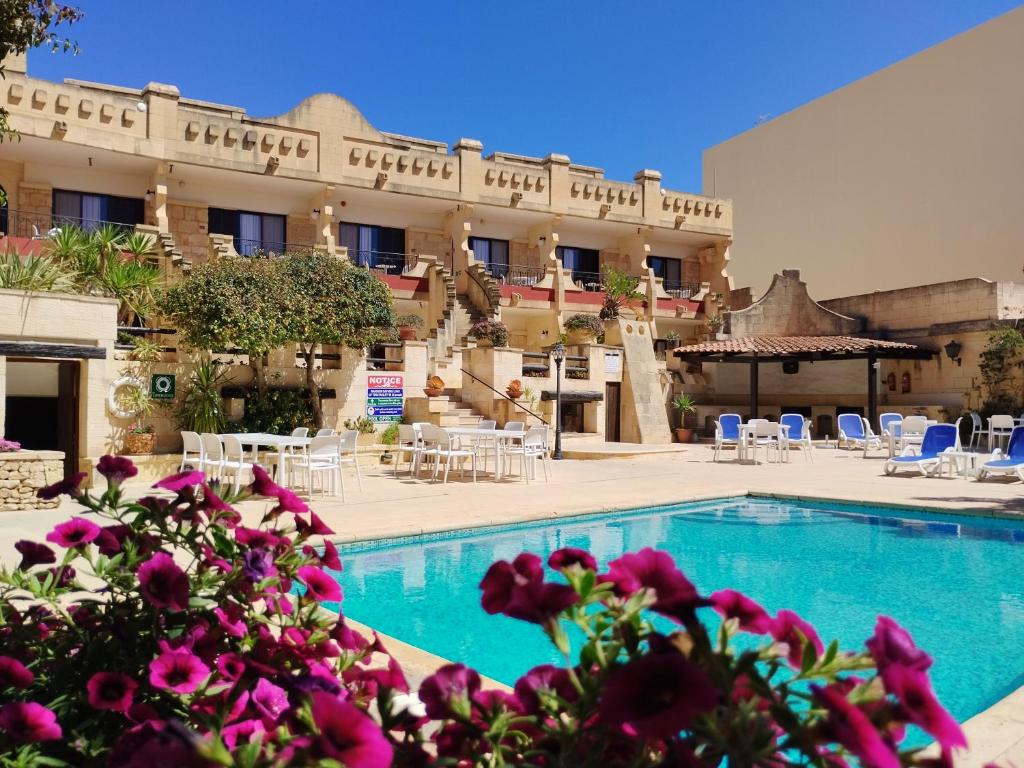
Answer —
(465, 316)
(446, 410)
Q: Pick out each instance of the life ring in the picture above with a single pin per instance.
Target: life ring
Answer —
(116, 385)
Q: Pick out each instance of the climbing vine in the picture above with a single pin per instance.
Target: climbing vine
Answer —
(1001, 361)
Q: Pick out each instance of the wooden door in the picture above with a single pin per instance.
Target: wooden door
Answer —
(612, 390)
(67, 414)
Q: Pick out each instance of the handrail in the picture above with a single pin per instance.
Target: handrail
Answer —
(502, 394)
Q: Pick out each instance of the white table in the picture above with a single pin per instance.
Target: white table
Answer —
(963, 463)
(279, 443)
(748, 432)
(500, 436)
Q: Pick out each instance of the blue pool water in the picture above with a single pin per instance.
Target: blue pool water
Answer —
(956, 583)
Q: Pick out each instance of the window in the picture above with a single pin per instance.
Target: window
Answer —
(90, 211)
(372, 246)
(585, 264)
(252, 232)
(493, 253)
(669, 270)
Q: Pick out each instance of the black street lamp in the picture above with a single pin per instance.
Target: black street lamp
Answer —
(558, 355)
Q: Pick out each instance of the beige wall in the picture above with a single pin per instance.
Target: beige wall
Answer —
(914, 174)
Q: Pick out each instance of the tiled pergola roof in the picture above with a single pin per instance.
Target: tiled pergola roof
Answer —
(800, 346)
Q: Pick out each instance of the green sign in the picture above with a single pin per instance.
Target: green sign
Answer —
(161, 386)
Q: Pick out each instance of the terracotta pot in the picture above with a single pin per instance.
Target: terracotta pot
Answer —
(407, 333)
(431, 392)
(136, 443)
(580, 337)
(385, 458)
(515, 396)
(684, 435)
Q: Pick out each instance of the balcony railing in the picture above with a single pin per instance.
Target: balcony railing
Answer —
(589, 281)
(384, 262)
(678, 289)
(516, 274)
(269, 248)
(39, 225)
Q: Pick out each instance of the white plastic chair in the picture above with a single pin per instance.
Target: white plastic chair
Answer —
(487, 424)
(911, 432)
(192, 453)
(727, 432)
(976, 430)
(324, 432)
(444, 446)
(799, 433)
(532, 448)
(347, 452)
(300, 432)
(999, 426)
(213, 455)
(769, 434)
(408, 442)
(234, 460)
(322, 457)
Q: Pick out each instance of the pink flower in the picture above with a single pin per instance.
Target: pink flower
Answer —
(111, 690)
(545, 678)
(652, 569)
(348, 735)
(74, 533)
(243, 731)
(518, 590)
(14, 674)
(270, 701)
(735, 605)
(315, 526)
(230, 618)
(214, 503)
(790, 629)
(657, 695)
(180, 480)
(851, 727)
(568, 556)
(116, 469)
(287, 501)
(447, 692)
(892, 644)
(177, 671)
(319, 585)
(69, 485)
(230, 666)
(914, 692)
(27, 721)
(33, 553)
(163, 583)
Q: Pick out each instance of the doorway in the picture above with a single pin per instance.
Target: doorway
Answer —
(612, 392)
(42, 407)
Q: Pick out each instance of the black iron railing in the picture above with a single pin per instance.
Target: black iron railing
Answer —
(39, 225)
(383, 261)
(377, 359)
(536, 364)
(506, 397)
(679, 289)
(249, 247)
(516, 274)
(589, 281)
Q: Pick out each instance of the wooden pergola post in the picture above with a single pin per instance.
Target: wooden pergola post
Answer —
(753, 388)
(872, 391)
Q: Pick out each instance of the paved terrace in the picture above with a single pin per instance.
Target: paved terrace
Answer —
(391, 506)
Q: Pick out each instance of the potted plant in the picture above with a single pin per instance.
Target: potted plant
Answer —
(407, 325)
(514, 390)
(583, 329)
(140, 439)
(435, 386)
(388, 438)
(672, 337)
(490, 333)
(683, 404)
(715, 323)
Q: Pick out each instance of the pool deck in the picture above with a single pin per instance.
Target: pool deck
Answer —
(393, 507)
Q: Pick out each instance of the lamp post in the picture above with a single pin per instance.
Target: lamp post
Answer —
(558, 355)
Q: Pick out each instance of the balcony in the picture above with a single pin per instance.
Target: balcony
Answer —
(679, 289)
(40, 225)
(592, 282)
(383, 262)
(516, 274)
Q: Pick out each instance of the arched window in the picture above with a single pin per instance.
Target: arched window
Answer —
(905, 382)
(890, 381)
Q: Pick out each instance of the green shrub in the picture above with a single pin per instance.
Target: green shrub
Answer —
(390, 435)
(362, 425)
(281, 411)
(584, 322)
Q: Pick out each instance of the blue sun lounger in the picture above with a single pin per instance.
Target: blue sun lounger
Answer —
(1010, 463)
(937, 438)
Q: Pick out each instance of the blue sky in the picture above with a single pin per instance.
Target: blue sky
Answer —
(621, 85)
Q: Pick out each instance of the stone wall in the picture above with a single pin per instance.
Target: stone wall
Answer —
(787, 310)
(189, 224)
(301, 230)
(22, 473)
(428, 242)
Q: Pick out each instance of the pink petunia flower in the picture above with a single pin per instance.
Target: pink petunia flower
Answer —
(319, 585)
(790, 629)
(675, 595)
(231, 666)
(848, 725)
(230, 618)
(163, 583)
(69, 485)
(116, 469)
(244, 731)
(270, 700)
(448, 691)
(914, 692)
(177, 671)
(25, 722)
(180, 480)
(287, 501)
(33, 553)
(731, 604)
(567, 556)
(111, 690)
(348, 735)
(892, 644)
(518, 590)
(14, 674)
(547, 678)
(75, 532)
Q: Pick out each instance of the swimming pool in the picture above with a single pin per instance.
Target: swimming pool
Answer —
(956, 583)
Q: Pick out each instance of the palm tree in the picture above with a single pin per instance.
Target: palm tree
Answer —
(34, 273)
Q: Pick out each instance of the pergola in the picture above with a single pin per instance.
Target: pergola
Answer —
(754, 350)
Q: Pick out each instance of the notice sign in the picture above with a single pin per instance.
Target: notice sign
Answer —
(385, 397)
(161, 386)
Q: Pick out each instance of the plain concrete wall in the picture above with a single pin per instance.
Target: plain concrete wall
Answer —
(912, 175)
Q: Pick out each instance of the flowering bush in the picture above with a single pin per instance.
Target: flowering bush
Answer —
(493, 331)
(165, 632)
(9, 446)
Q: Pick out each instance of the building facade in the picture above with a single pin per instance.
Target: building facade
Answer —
(912, 175)
(457, 235)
